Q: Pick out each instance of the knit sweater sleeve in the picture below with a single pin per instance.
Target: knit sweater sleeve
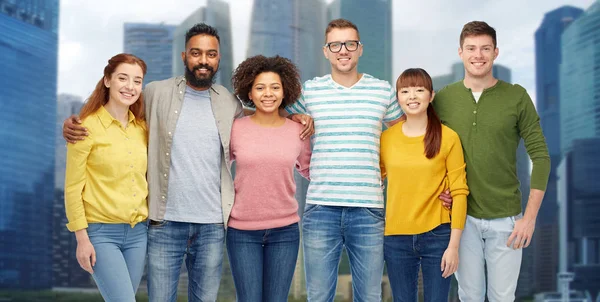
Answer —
(535, 143)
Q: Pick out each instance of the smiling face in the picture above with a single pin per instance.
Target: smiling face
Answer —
(344, 61)
(125, 84)
(478, 54)
(201, 59)
(267, 92)
(414, 100)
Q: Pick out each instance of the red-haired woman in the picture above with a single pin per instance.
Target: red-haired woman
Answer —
(422, 158)
(105, 182)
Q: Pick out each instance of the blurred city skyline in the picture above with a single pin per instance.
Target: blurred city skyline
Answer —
(545, 46)
(424, 34)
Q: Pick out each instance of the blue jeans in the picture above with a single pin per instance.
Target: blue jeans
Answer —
(406, 254)
(325, 231)
(120, 257)
(202, 246)
(262, 262)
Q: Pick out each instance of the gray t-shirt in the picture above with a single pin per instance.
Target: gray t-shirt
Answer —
(195, 174)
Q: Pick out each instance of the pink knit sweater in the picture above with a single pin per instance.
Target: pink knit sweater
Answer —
(264, 177)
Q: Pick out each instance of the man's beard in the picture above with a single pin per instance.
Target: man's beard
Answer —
(203, 81)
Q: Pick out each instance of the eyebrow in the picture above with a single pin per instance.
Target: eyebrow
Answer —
(124, 74)
(486, 45)
(200, 50)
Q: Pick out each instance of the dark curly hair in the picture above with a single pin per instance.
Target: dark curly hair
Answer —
(244, 75)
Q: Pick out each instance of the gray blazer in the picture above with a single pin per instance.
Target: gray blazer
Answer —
(163, 100)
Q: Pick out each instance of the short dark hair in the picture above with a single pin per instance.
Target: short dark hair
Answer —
(202, 29)
(477, 28)
(245, 74)
(340, 24)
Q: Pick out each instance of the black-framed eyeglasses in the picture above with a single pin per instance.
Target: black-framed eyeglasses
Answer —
(351, 45)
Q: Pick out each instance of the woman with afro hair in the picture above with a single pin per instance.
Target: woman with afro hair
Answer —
(263, 234)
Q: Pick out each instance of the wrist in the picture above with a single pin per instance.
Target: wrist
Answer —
(82, 236)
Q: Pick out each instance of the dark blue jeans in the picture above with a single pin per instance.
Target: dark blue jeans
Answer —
(405, 254)
(262, 262)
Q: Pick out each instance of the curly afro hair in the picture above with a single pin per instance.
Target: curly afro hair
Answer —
(244, 75)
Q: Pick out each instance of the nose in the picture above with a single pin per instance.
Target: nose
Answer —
(268, 91)
(202, 59)
(344, 49)
(130, 84)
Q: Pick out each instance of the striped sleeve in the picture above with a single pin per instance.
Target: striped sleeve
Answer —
(299, 106)
(393, 109)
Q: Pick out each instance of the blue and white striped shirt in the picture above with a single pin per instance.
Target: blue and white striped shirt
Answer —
(344, 167)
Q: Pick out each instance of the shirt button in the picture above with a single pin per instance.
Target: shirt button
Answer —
(169, 133)
(175, 111)
(165, 175)
(474, 111)
(180, 91)
(474, 124)
(163, 197)
(167, 153)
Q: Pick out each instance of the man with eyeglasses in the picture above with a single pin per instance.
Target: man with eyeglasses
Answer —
(344, 203)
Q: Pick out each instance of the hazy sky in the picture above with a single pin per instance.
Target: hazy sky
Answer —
(425, 33)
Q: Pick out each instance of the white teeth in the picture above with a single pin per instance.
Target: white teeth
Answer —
(413, 105)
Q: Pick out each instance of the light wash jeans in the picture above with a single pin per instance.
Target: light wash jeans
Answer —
(328, 229)
(483, 243)
(201, 244)
(120, 257)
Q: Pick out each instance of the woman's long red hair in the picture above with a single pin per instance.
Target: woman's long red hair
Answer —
(100, 95)
(418, 77)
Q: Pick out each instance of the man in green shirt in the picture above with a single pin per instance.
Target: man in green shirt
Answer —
(491, 116)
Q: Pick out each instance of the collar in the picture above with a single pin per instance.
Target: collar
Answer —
(106, 119)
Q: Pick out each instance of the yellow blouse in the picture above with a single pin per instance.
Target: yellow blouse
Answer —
(105, 178)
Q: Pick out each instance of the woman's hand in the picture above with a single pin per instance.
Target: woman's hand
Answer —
(86, 255)
(449, 262)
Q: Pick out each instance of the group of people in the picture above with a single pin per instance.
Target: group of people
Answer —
(149, 175)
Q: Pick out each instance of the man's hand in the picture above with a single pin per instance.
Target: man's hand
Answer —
(522, 234)
(307, 121)
(446, 199)
(72, 129)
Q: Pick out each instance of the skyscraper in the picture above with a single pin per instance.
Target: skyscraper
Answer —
(374, 22)
(291, 28)
(578, 177)
(548, 58)
(580, 144)
(580, 79)
(152, 43)
(28, 73)
(215, 14)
